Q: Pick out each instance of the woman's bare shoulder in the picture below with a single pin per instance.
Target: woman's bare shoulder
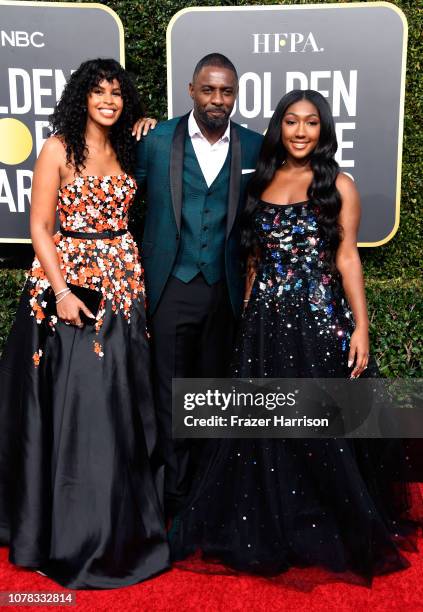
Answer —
(345, 185)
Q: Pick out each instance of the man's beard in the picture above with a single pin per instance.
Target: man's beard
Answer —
(213, 123)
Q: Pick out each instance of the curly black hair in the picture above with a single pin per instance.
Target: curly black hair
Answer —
(69, 118)
(322, 190)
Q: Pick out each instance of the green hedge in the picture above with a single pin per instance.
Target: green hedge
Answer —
(393, 270)
(394, 310)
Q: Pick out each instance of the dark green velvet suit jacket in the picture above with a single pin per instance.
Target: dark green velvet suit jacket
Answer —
(159, 169)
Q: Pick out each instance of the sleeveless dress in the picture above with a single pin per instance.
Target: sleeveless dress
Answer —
(265, 505)
(80, 496)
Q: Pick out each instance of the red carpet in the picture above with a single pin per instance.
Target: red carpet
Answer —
(184, 591)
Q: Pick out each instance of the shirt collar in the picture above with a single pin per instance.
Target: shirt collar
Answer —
(194, 130)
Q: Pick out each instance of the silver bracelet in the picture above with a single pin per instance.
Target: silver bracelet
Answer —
(63, 296)
(62, 291)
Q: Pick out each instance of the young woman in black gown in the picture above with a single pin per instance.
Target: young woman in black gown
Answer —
(263, 506)
(79, 498)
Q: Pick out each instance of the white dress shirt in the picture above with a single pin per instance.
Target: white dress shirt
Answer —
(211, 157)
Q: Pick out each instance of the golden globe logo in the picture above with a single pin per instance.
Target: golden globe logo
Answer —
(29, 94)
(15, 141)
(293, 42)
(37, 55)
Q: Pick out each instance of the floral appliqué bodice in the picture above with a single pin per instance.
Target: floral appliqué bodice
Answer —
(109, 265)
(96, 203)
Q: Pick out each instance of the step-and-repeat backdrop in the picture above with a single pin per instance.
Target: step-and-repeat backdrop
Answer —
(354, 54)
(41, 43)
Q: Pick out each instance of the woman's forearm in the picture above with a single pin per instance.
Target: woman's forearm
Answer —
(353, 282)
(249, 285)
(46, 252)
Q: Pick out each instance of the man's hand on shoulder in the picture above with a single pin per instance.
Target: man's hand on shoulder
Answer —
(142, 126)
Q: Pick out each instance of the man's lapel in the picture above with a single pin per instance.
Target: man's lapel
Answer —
(235, 179)
(177, 167)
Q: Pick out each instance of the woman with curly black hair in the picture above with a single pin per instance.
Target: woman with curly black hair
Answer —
(264, 505)
(80, 496)
(70, 115)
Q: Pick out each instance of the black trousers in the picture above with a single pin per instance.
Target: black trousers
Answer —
(192, 337)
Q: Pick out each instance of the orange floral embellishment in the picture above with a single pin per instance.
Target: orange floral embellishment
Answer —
(37, 357)
(98, 349)
(110, 266)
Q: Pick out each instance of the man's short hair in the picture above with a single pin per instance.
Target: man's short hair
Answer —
(214, 59)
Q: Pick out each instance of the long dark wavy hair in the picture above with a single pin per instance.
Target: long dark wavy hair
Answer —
(69, 118)
(322, 190)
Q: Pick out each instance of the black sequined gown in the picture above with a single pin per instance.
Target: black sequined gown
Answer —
(262, 506)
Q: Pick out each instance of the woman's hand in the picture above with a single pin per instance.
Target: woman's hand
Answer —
(359, 352)
(69, 308)
(142, 127)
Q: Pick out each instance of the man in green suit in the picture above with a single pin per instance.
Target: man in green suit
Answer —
(195, 169)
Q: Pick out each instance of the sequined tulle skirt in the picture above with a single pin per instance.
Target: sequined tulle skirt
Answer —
(263, 506)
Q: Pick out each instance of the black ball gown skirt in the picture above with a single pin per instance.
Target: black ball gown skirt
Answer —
(79, 491)
(264, 505)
